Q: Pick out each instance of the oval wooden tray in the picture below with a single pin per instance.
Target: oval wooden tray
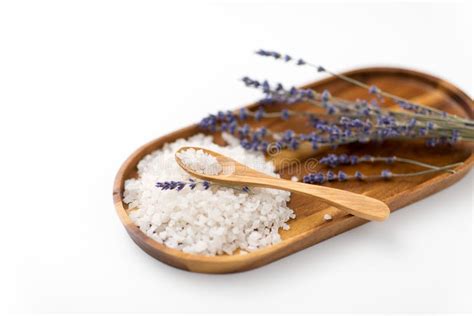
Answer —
(309, 227)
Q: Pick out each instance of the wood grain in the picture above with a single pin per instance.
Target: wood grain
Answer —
(309, 227)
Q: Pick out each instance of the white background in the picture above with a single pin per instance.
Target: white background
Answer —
(84, 83)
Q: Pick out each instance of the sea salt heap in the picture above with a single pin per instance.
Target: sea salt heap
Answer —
(200, 161)
(207, 222)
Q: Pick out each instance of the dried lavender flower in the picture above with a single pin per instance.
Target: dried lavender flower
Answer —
(192, 184)
(386, 174)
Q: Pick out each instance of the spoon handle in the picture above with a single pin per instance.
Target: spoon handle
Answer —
(356, 204)
(353, 203)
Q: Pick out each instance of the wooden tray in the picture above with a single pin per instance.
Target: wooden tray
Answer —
(309, 227)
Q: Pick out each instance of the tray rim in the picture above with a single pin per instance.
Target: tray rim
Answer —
(238, 263)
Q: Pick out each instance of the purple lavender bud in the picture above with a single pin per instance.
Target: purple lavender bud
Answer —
(285, 114)
(411, 123)
(276, 55)
(245, 144)
(294, 144)
(422, 131)
(321, 69)
(288, 135)
(243, 114)
(373, 89)
(429, 125)
(180, 186)
(356, 123)
(431, 142)
(304, 137)
(244, 130)
(220, 115)
(330, 176)
(287, 58)
(209, 123)
(354, 160)
(232, 127)
(172, 185)
(330, 160)
(309, 93)
(224, 127)
(259, 114)
(265, 86)
(279, 87)
(230, 117)
(343, 159)
(404, 105)
(365, 111)
(347, 133)
(300, 62)
(386, 174)
(262, 52)
(454, 137)
(385, 120)
(319, 178)
(333, 139)
(206, 185)
(331, 110)
(278, 145)
(314, 178)
(358, 175)
(247, 81)
(246, 189)
(325, 95)
(293, 91)
(341, 176)
(255, 145)
(335, 130)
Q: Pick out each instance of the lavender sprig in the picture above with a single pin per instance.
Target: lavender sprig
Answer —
(403, 103)
(192, 184)
(333, 160)
(386, 174)
(180, 185)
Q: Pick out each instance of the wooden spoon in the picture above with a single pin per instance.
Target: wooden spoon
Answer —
(237, 174)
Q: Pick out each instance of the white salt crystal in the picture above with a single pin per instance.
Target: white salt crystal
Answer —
(207, 222)
(327, 217)
(294, 179)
